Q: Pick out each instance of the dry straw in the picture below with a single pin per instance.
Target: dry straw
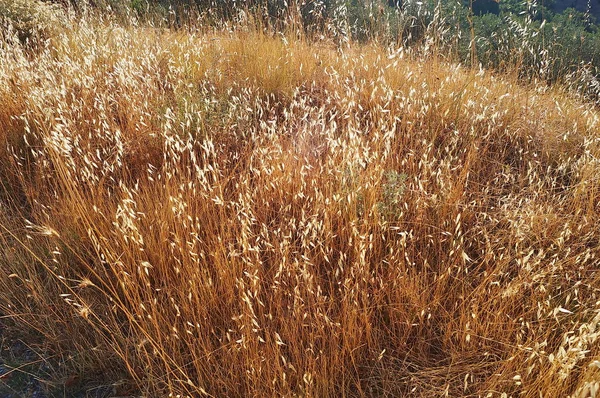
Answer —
(239, 214)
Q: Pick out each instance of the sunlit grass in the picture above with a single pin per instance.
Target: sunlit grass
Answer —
(245, 214)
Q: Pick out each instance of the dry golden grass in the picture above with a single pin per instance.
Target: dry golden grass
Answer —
(31, 20)
(239, 214)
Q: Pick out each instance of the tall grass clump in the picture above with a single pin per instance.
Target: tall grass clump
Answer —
(31, 19)
(240, 213)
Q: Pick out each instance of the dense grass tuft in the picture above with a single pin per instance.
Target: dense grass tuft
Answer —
(30, 20)
(241, 214)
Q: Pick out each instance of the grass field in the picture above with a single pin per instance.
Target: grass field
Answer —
(235, 213)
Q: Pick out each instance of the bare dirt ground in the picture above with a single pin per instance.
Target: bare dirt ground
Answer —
(27, 372)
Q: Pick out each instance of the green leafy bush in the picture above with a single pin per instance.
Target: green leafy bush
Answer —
(392, 194)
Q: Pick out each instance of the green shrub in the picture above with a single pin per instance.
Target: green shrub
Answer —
(392, 194)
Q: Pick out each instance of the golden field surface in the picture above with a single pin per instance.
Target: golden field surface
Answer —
(243, 214)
